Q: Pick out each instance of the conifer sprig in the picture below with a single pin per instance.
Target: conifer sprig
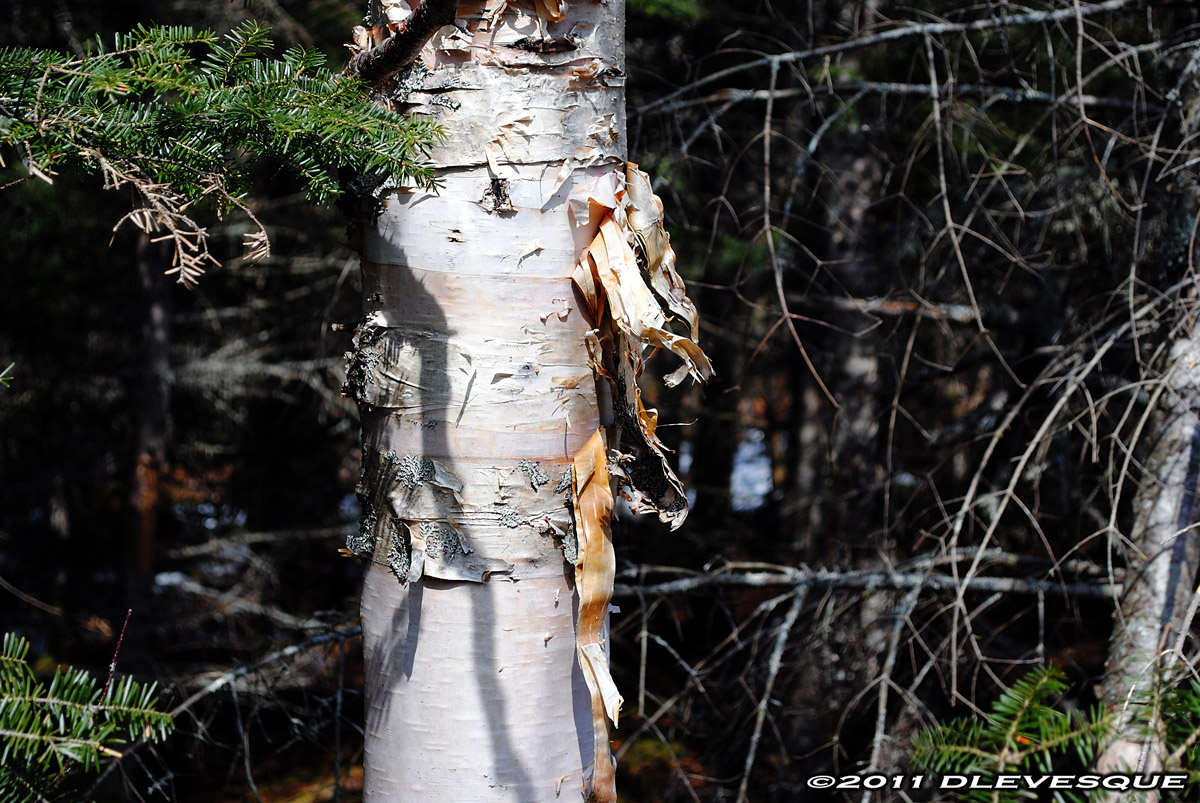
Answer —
(178, 115)
(1021, 733)
(46, 733)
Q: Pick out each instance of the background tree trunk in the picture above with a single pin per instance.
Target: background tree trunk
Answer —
(473, 378)
(150, 435)
(1154, 618)
(1154, 614)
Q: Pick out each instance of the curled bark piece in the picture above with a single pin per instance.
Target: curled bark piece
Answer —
(629, 255)
(646, 219)
(595, 571)
(551, 10)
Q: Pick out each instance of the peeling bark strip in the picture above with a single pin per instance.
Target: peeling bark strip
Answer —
(628, 256)
(627, 276)
(595, 570)
(471, 370)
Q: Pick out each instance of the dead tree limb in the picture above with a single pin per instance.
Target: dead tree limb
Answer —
(934, 29)
(865, 580)
(225, 679)
(401, 48)
(846, 88)
(773, 667)
(1164, 551)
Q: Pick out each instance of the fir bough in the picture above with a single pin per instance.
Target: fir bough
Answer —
(48, 733)
(1021, 734)
(1181, 721)
(177, 114)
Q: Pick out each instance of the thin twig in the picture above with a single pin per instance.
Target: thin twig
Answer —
(763, 609)
(773, 666)
(885, 683)
(892, 35)
(769, 233)
(27, 599)
(112, 667)
(237, 713)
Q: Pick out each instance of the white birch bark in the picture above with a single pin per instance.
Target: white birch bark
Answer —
(472, 375)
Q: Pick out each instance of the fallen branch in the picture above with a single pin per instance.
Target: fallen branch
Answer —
(230, 603)
(223, 680)
(215, 545)
(866, 580)
(984, 91)
(994, 317)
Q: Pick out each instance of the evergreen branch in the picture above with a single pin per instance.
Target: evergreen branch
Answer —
(108, 709)
(45, 733)
(57, 743)
(149, 114)
(19, 786)
(1020, 733)
(399, 50)
(1013, 712)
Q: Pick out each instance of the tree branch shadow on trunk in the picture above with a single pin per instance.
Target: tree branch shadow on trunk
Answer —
(419, 607)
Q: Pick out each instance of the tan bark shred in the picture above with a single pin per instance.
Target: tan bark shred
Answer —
(595, 571)
(551, 10)
(630, 255)
(646, 219)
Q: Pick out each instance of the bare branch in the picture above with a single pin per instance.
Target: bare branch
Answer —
(896, 34)
(401, 48)
(339, 635)
(773, 666)
(867, 580)
(984, 91)
(230, 603)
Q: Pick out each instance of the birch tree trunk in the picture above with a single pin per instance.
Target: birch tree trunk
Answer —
(472, 373)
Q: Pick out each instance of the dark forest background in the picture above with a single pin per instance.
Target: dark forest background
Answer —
(938, 275)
